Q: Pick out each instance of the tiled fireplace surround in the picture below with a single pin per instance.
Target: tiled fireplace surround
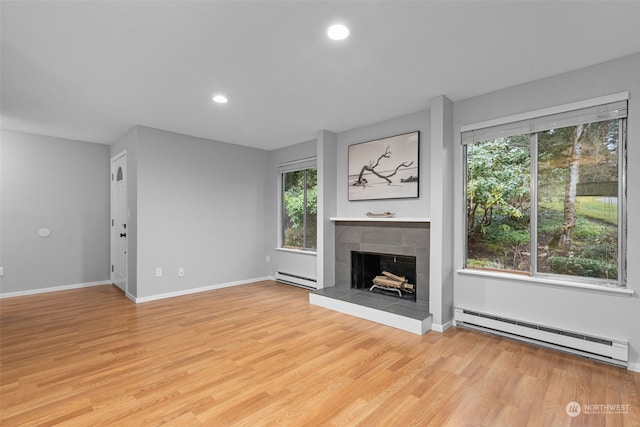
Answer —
(390, 237)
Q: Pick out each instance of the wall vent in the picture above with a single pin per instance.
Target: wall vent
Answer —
(294, 279)
(603, 349)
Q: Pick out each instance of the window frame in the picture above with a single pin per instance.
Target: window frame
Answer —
(532, 275)
(283, 169)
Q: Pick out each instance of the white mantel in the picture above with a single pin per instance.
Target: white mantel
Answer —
(379, 219)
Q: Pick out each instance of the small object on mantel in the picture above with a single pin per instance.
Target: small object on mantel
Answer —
(380, 215)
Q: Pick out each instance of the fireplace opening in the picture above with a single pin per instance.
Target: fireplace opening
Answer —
(388, 274)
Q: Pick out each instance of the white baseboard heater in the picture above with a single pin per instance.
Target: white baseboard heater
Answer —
(297, 280)
(607, 350)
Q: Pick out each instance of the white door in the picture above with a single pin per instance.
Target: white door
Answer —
(119, 220)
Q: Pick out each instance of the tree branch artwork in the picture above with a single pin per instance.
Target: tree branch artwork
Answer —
(371, 167)
(385, 168)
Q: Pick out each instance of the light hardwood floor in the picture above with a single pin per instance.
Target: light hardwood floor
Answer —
(259, 354)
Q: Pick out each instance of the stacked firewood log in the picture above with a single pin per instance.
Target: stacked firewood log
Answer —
(390, 280)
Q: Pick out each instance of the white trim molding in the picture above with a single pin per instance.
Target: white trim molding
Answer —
(566, 284)
(587, 103)
(442, 328)
(54, 289)
(298, 251)
(184, 292)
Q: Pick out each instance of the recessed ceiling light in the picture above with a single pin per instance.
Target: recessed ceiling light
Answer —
(338, 32)
(220, 99)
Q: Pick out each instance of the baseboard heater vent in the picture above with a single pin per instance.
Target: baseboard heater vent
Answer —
(293, 279)
(607, 350)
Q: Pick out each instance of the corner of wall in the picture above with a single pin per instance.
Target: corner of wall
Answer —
(327, 146)
(441, 263)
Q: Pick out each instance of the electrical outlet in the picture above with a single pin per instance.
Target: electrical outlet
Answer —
(267, 258)
(158, 271)
(181, 272)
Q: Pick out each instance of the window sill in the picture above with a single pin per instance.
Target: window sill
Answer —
(297, 251)
(549, 282)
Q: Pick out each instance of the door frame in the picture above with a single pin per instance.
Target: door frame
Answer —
(112, 181)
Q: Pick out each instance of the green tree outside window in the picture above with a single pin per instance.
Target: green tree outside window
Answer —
(299, 206)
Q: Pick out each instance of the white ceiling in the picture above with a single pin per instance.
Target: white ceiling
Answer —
(89, 70)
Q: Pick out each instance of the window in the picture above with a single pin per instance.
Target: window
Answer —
(299, 208)
(545, 195)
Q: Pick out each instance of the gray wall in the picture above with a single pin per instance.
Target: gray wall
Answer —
(585, 311)
(62, 185)
(419, 207)
(201, 207)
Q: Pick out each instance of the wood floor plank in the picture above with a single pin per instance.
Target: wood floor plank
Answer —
(259, 354)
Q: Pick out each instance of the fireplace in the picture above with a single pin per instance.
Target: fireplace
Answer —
(388, 274)
(404, 241)
(399, 247)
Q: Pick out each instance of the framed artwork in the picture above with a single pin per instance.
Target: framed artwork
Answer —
(386, 168)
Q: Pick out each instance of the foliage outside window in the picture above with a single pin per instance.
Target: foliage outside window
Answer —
(548, 203)
(299, 209)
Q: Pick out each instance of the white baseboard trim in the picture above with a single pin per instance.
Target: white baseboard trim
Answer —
(634, 366)
(442, 328)
(184, 292)
(54, 289)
